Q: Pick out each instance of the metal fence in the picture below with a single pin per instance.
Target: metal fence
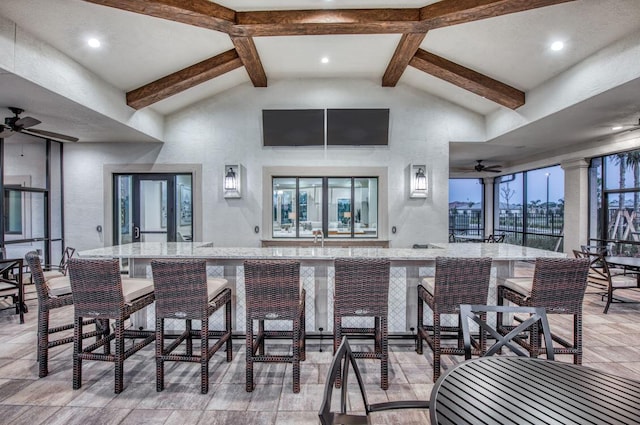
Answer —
(542, 231)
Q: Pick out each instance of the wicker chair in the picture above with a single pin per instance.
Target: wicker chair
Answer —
(100, 293)
(558, 285)
(536, 321)
(457, 281)
(182, 291)
(344, 359)
(53, 293)
(362, 290)
(273, 293)
(606, 279)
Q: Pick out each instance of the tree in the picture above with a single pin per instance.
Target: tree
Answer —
(507, 193)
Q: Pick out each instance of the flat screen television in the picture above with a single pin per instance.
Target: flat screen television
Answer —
(289, 127)
(358, 127)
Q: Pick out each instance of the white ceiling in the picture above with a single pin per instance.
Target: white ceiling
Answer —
(514, 49)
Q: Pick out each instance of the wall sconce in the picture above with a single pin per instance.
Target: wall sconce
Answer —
(418, 181)
(232, 181)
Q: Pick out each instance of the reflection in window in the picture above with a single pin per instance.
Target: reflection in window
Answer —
(13, 212)
(350, 209)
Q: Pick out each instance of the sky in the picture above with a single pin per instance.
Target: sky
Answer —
(464, 190)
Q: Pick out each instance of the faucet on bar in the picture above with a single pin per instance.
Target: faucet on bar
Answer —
(315, 237)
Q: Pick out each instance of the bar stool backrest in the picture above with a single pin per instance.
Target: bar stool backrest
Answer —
(272, 289)
(460, 281)
(37, 275)
(559, 284)
(361, 286)
(180, 288)
(96, 287)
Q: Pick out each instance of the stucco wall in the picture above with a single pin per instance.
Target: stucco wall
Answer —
(228, 129)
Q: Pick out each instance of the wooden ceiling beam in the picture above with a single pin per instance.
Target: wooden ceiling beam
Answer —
(452, 12)
(407, 48)
(183, 79)
(200, 13)
(248, 53)
(327, 22)
(468, 79)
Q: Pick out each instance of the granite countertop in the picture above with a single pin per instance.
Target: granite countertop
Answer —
(497, 251)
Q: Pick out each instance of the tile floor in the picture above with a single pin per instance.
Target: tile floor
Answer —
(612, 344)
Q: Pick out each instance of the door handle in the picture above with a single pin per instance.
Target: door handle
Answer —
(136, 232)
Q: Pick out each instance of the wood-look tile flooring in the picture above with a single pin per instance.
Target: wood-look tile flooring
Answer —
(611, 343)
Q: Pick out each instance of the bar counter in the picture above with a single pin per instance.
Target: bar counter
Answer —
(408, 266)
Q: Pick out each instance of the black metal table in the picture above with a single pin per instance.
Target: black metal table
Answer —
(628, 263)
(11, 284)
(522, 390)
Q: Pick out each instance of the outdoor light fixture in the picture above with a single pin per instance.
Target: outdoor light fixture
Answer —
(232, 181)
(418, 181)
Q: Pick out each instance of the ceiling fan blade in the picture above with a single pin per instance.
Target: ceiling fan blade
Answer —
(5, 131)
(26, 122)
(52, 135)
(491, 170)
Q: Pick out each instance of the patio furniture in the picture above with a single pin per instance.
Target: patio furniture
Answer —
(558, 285)
(183, 292)
(343, 359)
(99, 293)
(523, 390)
(457, 281)
(274, 293)
(53, 293)
(361, 291)
(51, 271)
(606, 281)
(11, 285)
(533, 324)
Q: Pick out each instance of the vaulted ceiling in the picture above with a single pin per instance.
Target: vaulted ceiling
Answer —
(484, 55)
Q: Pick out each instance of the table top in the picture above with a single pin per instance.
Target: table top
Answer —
(632, 263)
(499, 251)
(522, 390)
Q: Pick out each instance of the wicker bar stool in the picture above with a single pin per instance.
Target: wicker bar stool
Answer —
(273, 292)
(362, 290)
(100, 293)
(558, 285)
(53, 293)
(457, 281)
(182, 291)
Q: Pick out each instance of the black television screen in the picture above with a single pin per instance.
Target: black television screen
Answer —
(357, 126)
(299, 127)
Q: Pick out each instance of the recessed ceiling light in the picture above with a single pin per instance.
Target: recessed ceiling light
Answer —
(93, 42)
(557, 45)
(617, 127)
(324, 60)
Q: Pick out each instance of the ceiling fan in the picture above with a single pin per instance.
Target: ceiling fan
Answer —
(15, 124)
(480, 168)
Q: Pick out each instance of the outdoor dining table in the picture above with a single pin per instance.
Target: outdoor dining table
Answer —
(628, 263)
(523, 390)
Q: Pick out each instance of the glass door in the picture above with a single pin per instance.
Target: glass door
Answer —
(152, 208)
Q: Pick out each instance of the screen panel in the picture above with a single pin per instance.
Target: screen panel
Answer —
(347, 127)
(288, 127)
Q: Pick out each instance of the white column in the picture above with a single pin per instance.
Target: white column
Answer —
(576, 203)
(488, 205)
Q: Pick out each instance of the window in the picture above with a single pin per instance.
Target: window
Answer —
(529, 207)
(340, 207)
(614, 197)
(466, 207)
